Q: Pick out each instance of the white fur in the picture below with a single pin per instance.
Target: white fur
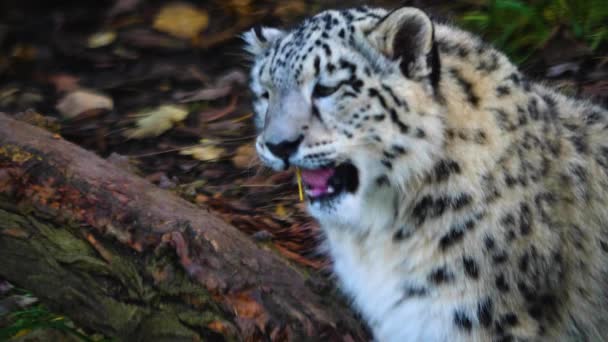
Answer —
(374, 267)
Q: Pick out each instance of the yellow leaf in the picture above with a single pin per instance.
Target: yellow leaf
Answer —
(181, 20)
(205, 152)
(156, 122)
(100, 39)
(280, 211)
(21, 333)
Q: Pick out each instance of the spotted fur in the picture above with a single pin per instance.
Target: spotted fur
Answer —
(481, 209)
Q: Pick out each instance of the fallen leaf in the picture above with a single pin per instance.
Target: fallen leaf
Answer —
(181, 20)
(246, 306)
(101, 39)
(245, 157)
(64, 82)
(206, 152)
(219, 327)
(280, 210)
(156, 122)
(80, 101)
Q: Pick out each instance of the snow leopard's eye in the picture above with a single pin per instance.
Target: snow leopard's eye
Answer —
(324, 91)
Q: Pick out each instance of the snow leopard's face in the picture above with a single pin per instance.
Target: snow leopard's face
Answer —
(349, 98)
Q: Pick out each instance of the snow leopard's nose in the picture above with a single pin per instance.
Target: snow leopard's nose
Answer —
(285, 149)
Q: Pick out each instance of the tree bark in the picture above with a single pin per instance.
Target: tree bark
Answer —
(135, 262)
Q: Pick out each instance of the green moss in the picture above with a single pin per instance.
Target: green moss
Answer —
(15, 154)
(109, 288)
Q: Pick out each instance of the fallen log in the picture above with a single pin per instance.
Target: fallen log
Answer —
(135, 262)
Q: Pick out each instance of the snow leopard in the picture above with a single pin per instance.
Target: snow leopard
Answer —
(460, 201)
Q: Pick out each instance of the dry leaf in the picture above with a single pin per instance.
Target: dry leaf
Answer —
(280, 210)
(156, 122)
(247, 307)
(80, 101)
(101, 39)
(64, 82)
(206, 152)
(245, 156)
(181, 20)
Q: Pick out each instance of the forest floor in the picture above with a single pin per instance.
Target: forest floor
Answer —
(168, 100)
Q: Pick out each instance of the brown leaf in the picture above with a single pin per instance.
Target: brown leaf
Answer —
(245, 157)
(80, 101)
(219, 327)
(64, 82)
(245, 306)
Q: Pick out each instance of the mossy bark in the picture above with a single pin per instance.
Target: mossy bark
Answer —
(108, 288)
(122, 257)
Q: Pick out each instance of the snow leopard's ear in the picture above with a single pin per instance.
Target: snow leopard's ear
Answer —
(259, 39)
(408, 34)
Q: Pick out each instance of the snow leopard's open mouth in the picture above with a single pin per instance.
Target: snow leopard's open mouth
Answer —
(330, 182)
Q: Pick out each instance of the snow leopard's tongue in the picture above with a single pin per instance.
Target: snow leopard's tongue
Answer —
(317, 181)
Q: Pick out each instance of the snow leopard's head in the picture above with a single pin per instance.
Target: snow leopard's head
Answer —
(350, 98)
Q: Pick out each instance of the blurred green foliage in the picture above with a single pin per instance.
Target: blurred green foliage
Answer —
(36, 317)
(521, 27)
